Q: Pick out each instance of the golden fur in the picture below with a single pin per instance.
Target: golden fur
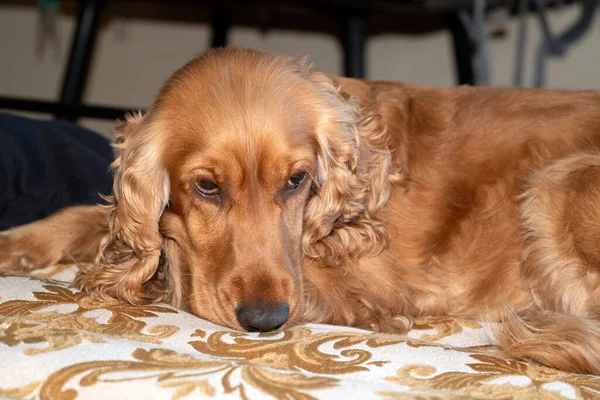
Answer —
(468, 202)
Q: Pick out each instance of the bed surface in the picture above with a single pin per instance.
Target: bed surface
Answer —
(56, 343)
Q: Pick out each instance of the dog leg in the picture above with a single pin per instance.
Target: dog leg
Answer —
(561, 218)
(561, 263)
(71, 235)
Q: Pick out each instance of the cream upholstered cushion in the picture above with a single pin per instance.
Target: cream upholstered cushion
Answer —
(56, 343)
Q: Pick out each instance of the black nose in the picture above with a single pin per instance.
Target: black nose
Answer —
(262, 317)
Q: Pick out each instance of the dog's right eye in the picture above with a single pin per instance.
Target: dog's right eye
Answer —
(295, 181)
(207, 188)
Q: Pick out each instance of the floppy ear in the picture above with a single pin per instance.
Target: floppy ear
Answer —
(175, 252)
(355, 180)
(129, 254)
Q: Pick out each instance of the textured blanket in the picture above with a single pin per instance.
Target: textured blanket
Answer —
(56, 343)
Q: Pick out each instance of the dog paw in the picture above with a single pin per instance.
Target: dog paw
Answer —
(23, 253)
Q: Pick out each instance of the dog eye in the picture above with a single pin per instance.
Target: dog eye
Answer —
(295, 181)
(207, 188)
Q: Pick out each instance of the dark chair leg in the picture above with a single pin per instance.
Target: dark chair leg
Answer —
(353, 42)
(220, 23)
(557, 45)
(463, 50)
(82, 49)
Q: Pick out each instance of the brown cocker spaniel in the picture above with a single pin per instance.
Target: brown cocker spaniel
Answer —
(259, 193)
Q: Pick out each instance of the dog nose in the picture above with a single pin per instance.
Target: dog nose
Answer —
(262, 317)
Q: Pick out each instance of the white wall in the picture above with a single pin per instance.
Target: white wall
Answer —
(134, 57)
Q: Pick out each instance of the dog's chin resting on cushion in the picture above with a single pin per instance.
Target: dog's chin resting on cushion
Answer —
(259, 193)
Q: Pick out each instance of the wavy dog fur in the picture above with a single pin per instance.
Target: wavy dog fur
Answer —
(258, 183)
(128, 255)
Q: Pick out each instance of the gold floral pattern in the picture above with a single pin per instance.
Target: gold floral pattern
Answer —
(444, 327)
(71, 346)
(186, 374)
(24, 321)
(25, 392)
(297, 349)
(484, 382)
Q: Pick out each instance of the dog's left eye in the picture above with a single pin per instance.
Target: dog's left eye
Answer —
(207, 188)
(295, 181)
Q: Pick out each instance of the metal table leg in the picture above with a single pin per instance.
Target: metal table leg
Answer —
(220, 23)
(82, 48)
(353, 42)
(463, 50)
(556, 45)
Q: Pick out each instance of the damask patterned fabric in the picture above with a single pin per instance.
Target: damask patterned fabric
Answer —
(56, 343)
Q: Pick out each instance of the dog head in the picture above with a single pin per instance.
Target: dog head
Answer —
(248, 167)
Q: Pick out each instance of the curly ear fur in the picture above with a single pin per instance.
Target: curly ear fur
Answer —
(355, 180)
(129, 254)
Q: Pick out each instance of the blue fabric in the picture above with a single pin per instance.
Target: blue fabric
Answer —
(48, 165)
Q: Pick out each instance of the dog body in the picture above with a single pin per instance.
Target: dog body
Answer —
(280, 195)
(480, 227)
(474, 158)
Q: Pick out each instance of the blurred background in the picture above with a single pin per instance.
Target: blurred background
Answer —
(58, 57)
